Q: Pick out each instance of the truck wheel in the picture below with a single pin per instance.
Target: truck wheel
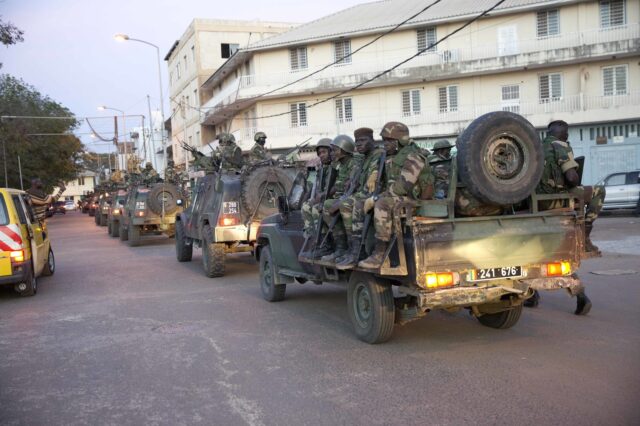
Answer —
(371, 308)
(270, 291)
(115, 228)
(50, 266)
(163, 193)
(504, 319)
(134, 235)
(267, 182)
(511, 158)
(122, 232)
(30, 285)
(212, 254)
(110, 228)
(184, 251)
(96, 219)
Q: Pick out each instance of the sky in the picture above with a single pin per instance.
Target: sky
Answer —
(69, 52)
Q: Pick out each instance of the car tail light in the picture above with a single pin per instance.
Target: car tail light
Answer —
(557, 269)
(17, 256)
(116, 211)
(228, 220)
(140, 213)
(435, 280)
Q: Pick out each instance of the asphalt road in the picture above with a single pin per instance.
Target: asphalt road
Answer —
(123, 335)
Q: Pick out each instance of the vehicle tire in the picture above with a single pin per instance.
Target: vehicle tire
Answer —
(134, 235)
(213, 256)
(371, 307)
(504, 319)
(50, 266)
(511, 158)
(110, 228)
(270, 291)
(103, 220)
(123, 232)
(31, 283)
(96, 218)
(261, 187)
(116, 228)
(163, 193)
(184, 251)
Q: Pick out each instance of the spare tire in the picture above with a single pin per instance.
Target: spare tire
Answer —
(163, 194)
(261, 187)
(500, 158)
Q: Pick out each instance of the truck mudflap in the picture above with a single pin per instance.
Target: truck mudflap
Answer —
(572, 283)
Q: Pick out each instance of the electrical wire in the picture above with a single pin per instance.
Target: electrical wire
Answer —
(98, 134)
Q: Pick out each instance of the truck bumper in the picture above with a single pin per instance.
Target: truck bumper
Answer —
(468, 296)
(225, 234)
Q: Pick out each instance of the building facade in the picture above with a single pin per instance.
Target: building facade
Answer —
(82, 185)
(204, 47)
(544, 59)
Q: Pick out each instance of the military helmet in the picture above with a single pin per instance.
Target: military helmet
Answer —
(442, 144)
(226, 138)
(395, 130)
(259, 135)
(345, 143)
(324, 142)
(148, 165)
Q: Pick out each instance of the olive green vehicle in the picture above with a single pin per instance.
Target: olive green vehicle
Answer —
(488, 265)
(116, 208)
(226, 209)
(149, 210)
(102, 209)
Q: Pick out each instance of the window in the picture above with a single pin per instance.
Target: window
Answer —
(548, 23)
(614, 80)
(4, 216)
(19, 209)
(340, 51)
(228, 49)
(81, 180)
(298, 58)
(448, 98)
(617, 179)
(550, 87)
(344, 112)
(298, 114)
(411, 102)
(427, 39)
(511, 98)
(612, 13)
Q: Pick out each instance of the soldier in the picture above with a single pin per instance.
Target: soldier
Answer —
(258, 153)
(408, 169)
(440, 163)
(351, 208)
(148, 175)
(346, 166)
(228, 152)
(40, 201)
(560, 175)
(311, 208)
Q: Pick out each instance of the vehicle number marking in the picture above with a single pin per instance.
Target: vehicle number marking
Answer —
(230, 207)
(496, 273)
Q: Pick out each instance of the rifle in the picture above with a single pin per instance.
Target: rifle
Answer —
(284, 157)
(369, 216)
(318, 182)
(192, 150)
(330, 181)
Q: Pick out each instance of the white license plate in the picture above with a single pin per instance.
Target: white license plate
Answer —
(496, 273)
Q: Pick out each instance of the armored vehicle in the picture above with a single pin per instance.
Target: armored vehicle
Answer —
(225, 210)
(102, 209)
(487, 264)
(116, 207)
(149, 210)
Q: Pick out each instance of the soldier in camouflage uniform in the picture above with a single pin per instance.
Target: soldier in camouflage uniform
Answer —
(311, 208)
(352, 207)
(148, 175)
(560, 175)
(258, 153)
(408, 169)
(440, 163)
(228, 152)
(347, 166)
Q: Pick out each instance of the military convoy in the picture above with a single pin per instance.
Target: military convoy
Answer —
(115, 212)
(437, 258)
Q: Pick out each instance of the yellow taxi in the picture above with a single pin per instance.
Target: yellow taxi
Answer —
(25, 249)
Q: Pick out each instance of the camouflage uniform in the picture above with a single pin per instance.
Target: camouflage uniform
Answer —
(311, 212)
(148, 175)
(258, 153)
(346, 169)
(231, 156)
(441, 169)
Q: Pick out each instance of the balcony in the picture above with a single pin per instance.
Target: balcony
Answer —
(576, 109)
(430, 66)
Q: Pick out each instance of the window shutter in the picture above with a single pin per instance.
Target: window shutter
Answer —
(544, 87)
(442, 99)
(406, 106)
(302, 52)
(293, 58)
(556, 86)
(426, 38)
(453, 98)
(302, 110)
(294, 115)
(553, 22)
(348, 112)
(607, 80)
(415, 100)
(543, 28)
(621, 80)
(612, 13)
(342, 49)
(339, 114)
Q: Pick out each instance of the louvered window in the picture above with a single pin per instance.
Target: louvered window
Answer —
(427, 39)
(550, 87)
(614, 80)
(511, 98)
(344, 111)
(298, 58)
(298, 114)
(341, 50)
(411, 102)
(548, 23)
(612, 13)
(448, 98)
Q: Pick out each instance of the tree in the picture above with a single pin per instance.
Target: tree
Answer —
(9, 34)
(46, 147)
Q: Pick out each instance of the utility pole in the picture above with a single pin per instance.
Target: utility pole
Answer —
(152, 136)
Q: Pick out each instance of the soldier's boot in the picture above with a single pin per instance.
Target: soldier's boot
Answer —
(320, 252)
(341, 249)
(350, 259)
(583, 304)
(533, 301)
(377, 257)
(589, 247)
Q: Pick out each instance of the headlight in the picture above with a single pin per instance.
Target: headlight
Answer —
(179, 202)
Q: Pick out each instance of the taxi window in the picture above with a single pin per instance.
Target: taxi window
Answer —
(4, 216)
(19, 209)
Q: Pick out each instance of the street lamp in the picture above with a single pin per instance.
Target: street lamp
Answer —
(125, 37)
(124, 131)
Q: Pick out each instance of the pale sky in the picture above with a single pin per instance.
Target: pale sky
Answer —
(69, 52)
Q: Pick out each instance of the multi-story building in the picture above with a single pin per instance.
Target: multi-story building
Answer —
(78, 187)
(544, 59)
(204, 47)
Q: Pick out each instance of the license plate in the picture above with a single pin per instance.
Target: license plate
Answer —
(496, 273)
(230, 207)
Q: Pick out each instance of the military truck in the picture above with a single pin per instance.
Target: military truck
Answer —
(102, 209)
(116, 207)
(149, 210)
(225, 210)
(488, 265)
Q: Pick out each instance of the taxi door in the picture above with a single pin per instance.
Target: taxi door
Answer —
(35, 231)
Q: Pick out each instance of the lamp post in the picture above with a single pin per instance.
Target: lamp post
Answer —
(124, 131)
(124, 37)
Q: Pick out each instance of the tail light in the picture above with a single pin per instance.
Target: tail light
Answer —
(140, 213)
(434, 280)
(115, 211)
(557, 269)
(17, 256)
(229, 220)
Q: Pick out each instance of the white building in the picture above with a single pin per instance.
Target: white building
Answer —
(545, 59)
(78, 187)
